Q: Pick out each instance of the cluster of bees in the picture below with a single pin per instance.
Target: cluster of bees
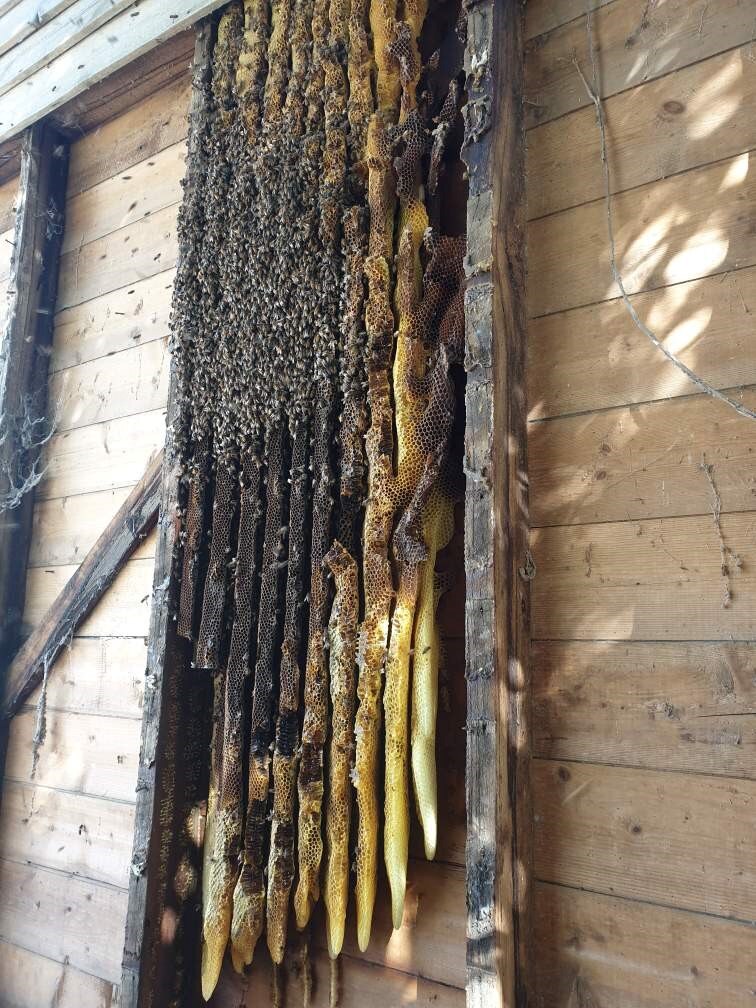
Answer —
(317, 319)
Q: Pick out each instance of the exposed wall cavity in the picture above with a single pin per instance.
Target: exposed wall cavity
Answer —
(317, 334)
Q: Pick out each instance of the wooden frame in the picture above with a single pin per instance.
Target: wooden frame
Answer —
(27, 340)
(497, 562)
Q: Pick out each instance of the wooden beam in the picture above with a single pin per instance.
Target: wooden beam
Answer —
(24, 356)
(133, 520)
(496, 511)
(134, 31)
(161, 951)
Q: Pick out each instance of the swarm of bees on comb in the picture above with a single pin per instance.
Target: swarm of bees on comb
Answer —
(318, 319)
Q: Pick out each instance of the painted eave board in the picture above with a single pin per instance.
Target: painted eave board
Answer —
(137, 29)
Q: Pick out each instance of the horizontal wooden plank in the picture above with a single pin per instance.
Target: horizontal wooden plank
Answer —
(101, 456)
(98, 675)
(642, 461)
(78, 834)
(66, 528)
(681, 228)
(123, 257)
(126, 197)
(660, 706)
(8, 192)
(112, 46)
(648, 580)
(681, 840)
(595, 357)
(142, 131)
(635, 41)
(45, 42)
(614, 953)
(544, 15)
(63, 917)
(123, 611)
(119, 385)
(360, 983)
(31, 979)
(686, 119)
(431, 940)
(84, 753)
(127, 317)
(25, 19)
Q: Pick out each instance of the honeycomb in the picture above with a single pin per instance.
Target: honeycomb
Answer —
(316, 320)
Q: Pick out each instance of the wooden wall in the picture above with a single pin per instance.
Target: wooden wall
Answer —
(644, 674)
(66, 835)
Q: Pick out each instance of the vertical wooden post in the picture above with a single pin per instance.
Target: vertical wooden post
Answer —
(161, 951)
(24, 356)
(496, 512)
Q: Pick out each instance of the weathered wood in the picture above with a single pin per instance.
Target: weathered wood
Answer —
(110, 47)
(98, 675)
(84, 753)
(63, 917)
(615, 953)
(101, 456)
(141, 131)
(26, 18)
(496, 512)
(74, 833)
(636, 42)
(648, 835)
(642, 461)
(139, 250)
(172, 785)
(678, 706)
(32, 978)
(125, 197)
(120, 385)
(682, 228)
(543, 16)
(667, 126)
(8, 193)
(43, 40)
(25, 354)
(134, 519)
(595, 357)
(646, 580)
(130, 316)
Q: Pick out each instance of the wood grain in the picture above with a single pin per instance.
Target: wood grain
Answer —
(142, 130)
(31, 978)
(668, 232)
(131, 381)
(82, 753)
(496, 512)
(101, 456)
(94, 58)
(25, 344)
(681, 840)
(649, 580)
(125, 197)
(123, 257)
(660, 706)
(77, 834)
(8, 193)
(98, 675)
(597, 950)
(667, 126)
(123, 318)
(26, 18)
(84, 590)
(125, 613)
(635, 42)
(62, 917)
(542, 16)
(595, 357)
(66, 528)
(642, 461)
